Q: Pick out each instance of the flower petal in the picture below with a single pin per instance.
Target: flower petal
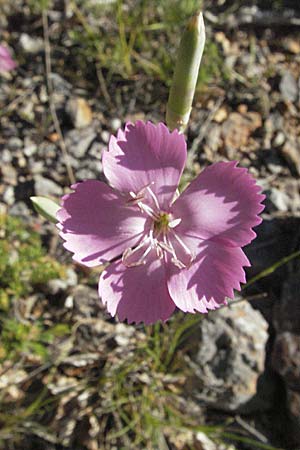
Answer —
(212, 277)
(6, 61)
(222, 204)
(146, 154)
(138, 294)
(96, 223)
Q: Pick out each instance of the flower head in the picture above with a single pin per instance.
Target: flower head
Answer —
(165, 249)
(6, 61)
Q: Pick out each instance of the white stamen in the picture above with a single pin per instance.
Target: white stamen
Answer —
(174, 223)
(129, 252)
(153, 196)
(165, 246)
(180, 241)
(178, 263)
(148, 210)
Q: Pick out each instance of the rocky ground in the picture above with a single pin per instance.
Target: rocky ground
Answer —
(241, 364)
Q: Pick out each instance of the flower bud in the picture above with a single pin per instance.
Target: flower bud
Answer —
(186, 74)
(45, 207)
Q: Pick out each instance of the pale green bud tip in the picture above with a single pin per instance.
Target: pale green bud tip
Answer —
(186, 73)
(45, 207)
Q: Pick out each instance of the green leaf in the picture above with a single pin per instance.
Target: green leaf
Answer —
(45, 207)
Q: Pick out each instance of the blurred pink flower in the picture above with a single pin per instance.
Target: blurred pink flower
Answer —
(6, 61)
(165, 250)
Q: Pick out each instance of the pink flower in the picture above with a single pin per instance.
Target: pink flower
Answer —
(6, 61)
(165, 250)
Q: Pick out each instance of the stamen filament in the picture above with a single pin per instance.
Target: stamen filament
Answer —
(180, 241)
(153, 196)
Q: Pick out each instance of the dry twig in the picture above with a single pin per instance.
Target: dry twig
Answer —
(51, 101)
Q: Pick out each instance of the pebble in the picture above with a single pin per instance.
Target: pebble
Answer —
(3, 210)
(30, 150)
(291, 152)
(288, 87)
(35, 167)
(56, 286)
(45, 186)
(85, 174)
(6, 156)
(21, 161)
(60, 85)
(115, 124)
(9, 174)
(71, 277)
(230, 357)
(105, 135)
(30, 44)
(79, 112)
(20, 209)
(9, 195)
(78, 142)
(279, 199)
(14, 143)
(279, 139)
(96, 150)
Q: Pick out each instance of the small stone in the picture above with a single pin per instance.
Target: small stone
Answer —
(30, 150)
(279, 139)
(78, 142)
(6, 156)
(123, 334)
(288, 87)
(237, 129)
(207, 444)
(105, 135)
(292, 45)
(35, 167)
(43, 94)
(71, 277)
(26, 111)
(14, 143)
(20, 209)
(291, 152)
(96, 150)
(9, 174)
(279, 199)
(229, 358)
(115, 124)
(44, 186)
(9, 195)
(59, 83)
(31, 44)
(220, 115)
(79, 112)
(69, 303)
(3, 210)
(56, 286)
(85, 174)
(213, 137)
(21, 161)
(86, 301)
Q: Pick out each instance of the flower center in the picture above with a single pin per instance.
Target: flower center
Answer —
(161, 239)
(161, 224)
